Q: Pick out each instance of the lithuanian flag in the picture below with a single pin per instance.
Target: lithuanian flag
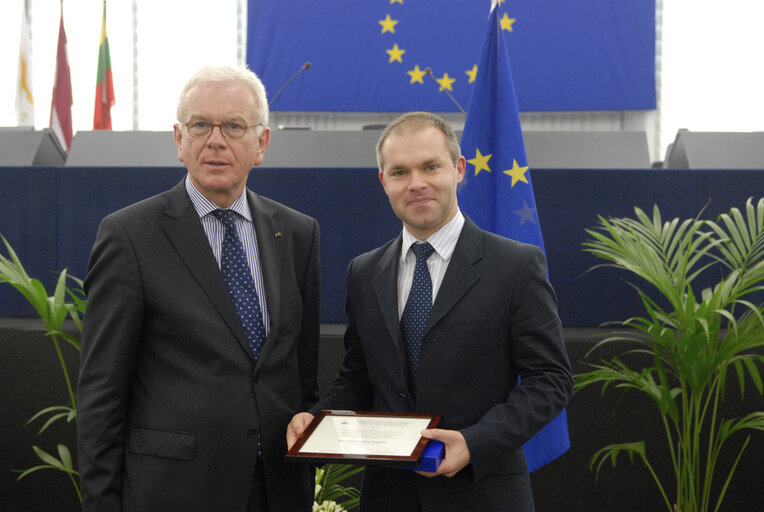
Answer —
(104, 83)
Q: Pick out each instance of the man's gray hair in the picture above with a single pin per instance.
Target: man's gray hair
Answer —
(223, 74)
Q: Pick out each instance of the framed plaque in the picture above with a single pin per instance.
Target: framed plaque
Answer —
(369, 438)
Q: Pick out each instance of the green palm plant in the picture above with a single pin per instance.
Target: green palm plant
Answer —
(54, 310)
(696, 340)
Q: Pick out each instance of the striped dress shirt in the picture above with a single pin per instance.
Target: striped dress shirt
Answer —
(215, 230)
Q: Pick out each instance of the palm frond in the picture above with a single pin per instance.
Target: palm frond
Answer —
(695, 336)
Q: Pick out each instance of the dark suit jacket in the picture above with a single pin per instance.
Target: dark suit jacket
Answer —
(494, 319)
(170, 400)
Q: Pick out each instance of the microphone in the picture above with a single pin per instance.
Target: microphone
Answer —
(305, 66)
(428, 72)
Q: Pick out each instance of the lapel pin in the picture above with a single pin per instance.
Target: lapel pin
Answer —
(277, 234)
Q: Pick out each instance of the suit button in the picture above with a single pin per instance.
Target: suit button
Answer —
(256, 377)
(403, 396)
(252, 433)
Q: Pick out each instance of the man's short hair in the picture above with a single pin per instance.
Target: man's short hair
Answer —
(416, 121)
(223, 74)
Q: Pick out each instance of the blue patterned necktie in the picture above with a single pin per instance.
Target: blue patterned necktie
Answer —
(417, 310)
(238, 278)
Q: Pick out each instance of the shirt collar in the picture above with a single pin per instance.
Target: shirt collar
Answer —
(443, 240)
(204, 206)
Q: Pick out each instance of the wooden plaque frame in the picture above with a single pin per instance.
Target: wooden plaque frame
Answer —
(409, 460)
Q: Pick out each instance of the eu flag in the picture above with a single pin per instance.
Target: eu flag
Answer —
(497, 192)
(372, 55)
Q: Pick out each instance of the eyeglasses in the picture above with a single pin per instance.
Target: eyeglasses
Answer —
(229, 129)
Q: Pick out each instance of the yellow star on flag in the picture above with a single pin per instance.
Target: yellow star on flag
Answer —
(393, 1)
(416, 74)
(396, 54)
(445, 82)
(480, 162)
(472, 73)
(388, 25)
(506, 22)
(500, 2)
(517, 173)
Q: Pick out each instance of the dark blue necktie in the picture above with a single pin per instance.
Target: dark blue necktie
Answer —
(237, 275)
(417, 310)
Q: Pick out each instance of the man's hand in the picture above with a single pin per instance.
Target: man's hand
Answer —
(297, 426)
(457, 452)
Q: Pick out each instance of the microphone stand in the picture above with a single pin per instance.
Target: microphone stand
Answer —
(305, 66)
(428, 72)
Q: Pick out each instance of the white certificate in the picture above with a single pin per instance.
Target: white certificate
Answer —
(366, 435)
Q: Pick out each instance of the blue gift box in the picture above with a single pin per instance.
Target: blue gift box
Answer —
(431, 457)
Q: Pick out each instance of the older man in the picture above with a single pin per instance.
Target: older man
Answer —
(201, 333)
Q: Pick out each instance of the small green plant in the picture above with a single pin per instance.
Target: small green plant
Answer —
(696, 339)
(54, 310)
(330, 494)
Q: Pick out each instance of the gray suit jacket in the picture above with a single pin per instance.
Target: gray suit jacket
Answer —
(493, 321)
(170, 400)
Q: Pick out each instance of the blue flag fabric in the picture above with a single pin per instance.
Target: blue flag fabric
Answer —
(497, 193)
(371, 55)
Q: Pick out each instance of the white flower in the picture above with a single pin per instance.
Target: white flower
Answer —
(327, 506)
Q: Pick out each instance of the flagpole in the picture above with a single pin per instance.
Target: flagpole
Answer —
(240, 32)
(135, 64)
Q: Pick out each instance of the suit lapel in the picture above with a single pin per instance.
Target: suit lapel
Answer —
(185, 232)
(385, 284)
(460, 275)
(270, 233)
